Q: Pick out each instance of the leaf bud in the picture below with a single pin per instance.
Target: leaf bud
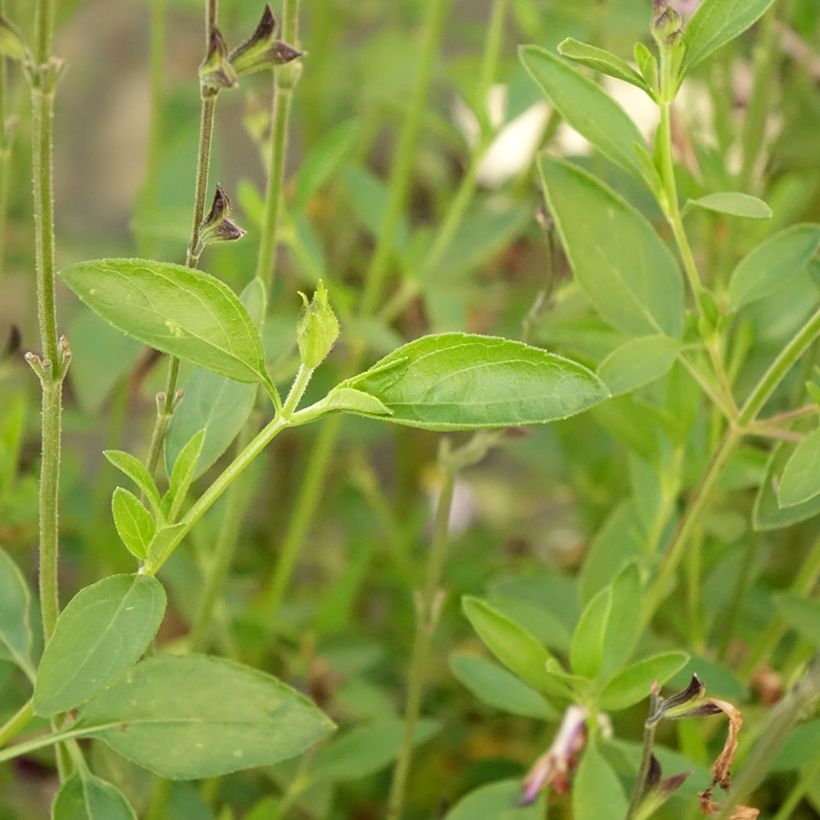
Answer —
(317, 328)
(216, 71)
(262, 50)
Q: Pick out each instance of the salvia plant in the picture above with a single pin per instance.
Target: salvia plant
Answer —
(273, 630)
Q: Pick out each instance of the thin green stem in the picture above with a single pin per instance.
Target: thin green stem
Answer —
(284, 80)
(16, 723)
(646, 759)
(402, 171)
(808, 777)
(428, 606)
(43, 30)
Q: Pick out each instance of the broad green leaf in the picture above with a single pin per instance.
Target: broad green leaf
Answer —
(587, 648)
(733, 203)
(767, 513)
(632, 685)
(516, 648)
(499, 801)
(601, 61)
(183, 473)
(459, 381)
(586, 107)
(323, 160)
(800, 481)
(772, 263)
(211, 402)
(802, 614)
(623, 624)
(364, 750)
(132, 467)
(15, 601)
(135, 525)
(714, 24)
(90, 798)
(596, 790)
(180, 311)
(621, 263)
(100, 634)
(638, 362)
(498, 688)
(188, 717)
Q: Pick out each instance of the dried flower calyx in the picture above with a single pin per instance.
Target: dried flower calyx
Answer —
(217, 225)
(262, 50)
(216, 71)
(657, 789)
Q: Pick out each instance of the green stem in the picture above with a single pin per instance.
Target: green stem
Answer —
(401, 174)
(16, 723)
(43, 30)
(284, 80)
(4, 154)
(808, 777)
(646, 759)
(428, 607)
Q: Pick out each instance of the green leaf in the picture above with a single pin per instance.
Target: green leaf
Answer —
(622, 265)
(135, 470)
(516, 648)
(180, 311)
(734, 204)
(135, 525)
(350, 400)
(495, 686)
(800, 481)
(15, 601)
(458, 381)
(638, 362)
(601, 61)
(183, 473)
(12, 44)
(596, 791)
(189, 717)
(90, 798)
(365, 750)
(211, 402)
(587, 648)
(632, 685)
(586, 107)
(801, 614)
(100, 634)
(772, 263)
(499, 801)
(767, 513)
(714, 24)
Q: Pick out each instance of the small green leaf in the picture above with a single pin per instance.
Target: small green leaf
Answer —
(714, 24)
(211, 402)
(180, 311)
(15, 601)
(596, 791)
(499, 801)
(632, 685)
(621, 263)
(459, 381)
(734, 204)
(800, 481)
(135, 470)
(587, 648)
(767, 513)
(601, 61)
(183, 473)
(516, 648)
(647, 65)
(801, 614)
(350, 400)
(624, 623)
(100, 634)
(766, 268)
(170, 714)
(495, 686)
(365, 750)
(12, 44)
(90, 798)
(638, 362)
(135, 525)
(586, 107)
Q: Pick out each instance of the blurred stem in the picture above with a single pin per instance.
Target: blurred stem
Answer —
(808, 776)
(760, 100)
(149, 196)
(16, 723)
(729, 620)
(284, 80)
(402, 171)
(4, 154)
(428, 608)
(646, 758)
